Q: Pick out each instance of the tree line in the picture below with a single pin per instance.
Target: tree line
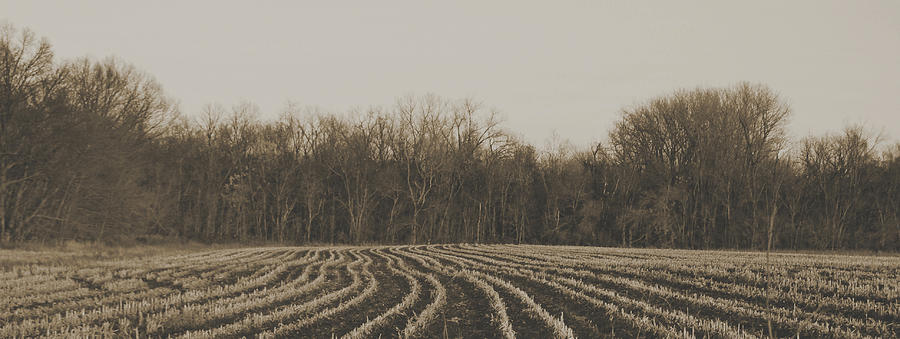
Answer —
(94, 150)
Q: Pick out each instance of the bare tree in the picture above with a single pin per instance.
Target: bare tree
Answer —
(28, 79)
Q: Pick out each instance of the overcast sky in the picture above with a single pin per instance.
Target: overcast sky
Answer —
(548, 66)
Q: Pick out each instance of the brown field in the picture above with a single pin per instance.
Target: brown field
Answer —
(449, 291)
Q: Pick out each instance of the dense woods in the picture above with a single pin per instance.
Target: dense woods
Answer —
(94, 150)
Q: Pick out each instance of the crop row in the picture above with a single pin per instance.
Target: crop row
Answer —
(402, 291)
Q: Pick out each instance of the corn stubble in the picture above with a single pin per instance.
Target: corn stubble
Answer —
(503, 291)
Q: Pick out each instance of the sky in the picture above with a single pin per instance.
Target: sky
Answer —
(564, 68)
